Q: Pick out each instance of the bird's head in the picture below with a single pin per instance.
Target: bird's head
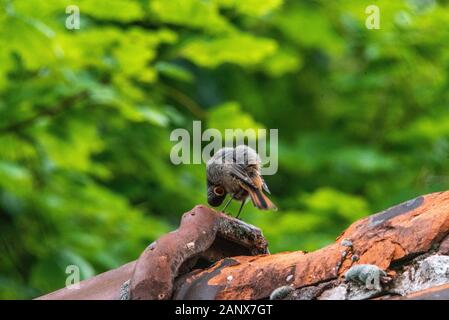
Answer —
(215, 195)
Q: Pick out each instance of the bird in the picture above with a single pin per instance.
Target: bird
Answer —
(236, 171)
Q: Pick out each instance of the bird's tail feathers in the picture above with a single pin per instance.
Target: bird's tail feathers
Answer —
(260, 200)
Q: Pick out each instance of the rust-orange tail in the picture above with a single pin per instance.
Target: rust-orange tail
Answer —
(260, 200)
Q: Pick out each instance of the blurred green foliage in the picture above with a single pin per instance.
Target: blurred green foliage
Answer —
(85, 119)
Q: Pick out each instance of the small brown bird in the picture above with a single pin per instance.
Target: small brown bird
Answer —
(236, 171)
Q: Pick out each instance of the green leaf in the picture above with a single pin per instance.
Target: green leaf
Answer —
(190, 13)
(174, 71)
(231, 116)
(112, 9)
(254, 8)
(241, 49)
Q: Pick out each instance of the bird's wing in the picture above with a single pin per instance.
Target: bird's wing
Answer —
(239, 172)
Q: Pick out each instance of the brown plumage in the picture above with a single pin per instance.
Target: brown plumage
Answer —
(236, 171)
(259, 199)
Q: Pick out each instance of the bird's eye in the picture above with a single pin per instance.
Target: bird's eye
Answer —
(219, 191)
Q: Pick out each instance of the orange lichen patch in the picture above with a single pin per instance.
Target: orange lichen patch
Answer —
(260, 269)
(411, 227)
(381, 253)
(309, 271)
(259, 265)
